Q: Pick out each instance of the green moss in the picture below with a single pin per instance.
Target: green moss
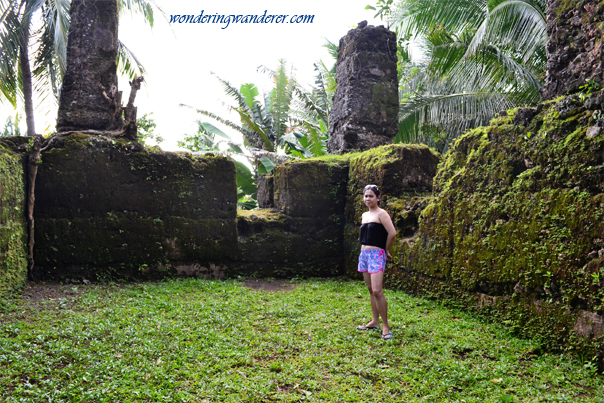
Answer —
(13, 228)
(515, 228)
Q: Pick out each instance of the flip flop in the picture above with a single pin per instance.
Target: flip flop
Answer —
(387, 336)
(363, 327)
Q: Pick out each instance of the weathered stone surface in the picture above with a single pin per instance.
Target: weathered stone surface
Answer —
(365, 108)
(265, 191)
(593, 131)
(589, 324)
(277, 245)
(89, 95)
(574, 48)
(516, 226)
(310, 188)
(113, 206)
(13, 227)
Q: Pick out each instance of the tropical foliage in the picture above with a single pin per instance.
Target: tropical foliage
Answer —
(42, 26)
(462, 61)
(146, 129)
(11, 127)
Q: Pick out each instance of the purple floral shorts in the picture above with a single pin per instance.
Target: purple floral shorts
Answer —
(372, 260)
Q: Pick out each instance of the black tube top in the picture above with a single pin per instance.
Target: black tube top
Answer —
(373, 234)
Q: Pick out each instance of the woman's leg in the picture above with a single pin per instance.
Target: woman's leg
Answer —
(378, 298)
(375, 321)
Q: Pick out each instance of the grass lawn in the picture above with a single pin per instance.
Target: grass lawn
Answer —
(196, 340)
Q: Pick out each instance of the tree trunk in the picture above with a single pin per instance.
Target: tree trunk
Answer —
(27, 80)
(89, 96)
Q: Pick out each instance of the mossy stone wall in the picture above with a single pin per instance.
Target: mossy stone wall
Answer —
(108, 207)
(13, 227)
(516, 226)
(299, 229)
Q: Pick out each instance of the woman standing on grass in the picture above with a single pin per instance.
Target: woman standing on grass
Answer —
(377, 235)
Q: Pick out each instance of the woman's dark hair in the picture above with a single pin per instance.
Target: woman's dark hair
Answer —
(373, 188)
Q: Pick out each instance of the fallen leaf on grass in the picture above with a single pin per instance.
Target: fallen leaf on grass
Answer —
(497, 380)
(147, 377)
(159, 361)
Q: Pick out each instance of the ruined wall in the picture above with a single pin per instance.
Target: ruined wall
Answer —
(574, 48)
(13, 227)
(365, 109)
(108, 207)
(302, 235)
(516, 227)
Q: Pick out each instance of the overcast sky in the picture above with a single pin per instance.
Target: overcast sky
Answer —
(180, 57)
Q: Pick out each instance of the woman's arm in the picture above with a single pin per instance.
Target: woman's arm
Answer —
(387, 223)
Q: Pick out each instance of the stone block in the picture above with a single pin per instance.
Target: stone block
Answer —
(310, 188)
(275, 245)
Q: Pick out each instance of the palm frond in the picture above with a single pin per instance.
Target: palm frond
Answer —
(233, 93)
(517, 23)
(414, 17)
(453, 113)
(281, 97)
(144, 7)
(128, 63)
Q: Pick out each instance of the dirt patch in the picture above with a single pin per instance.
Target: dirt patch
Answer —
(266, 285)
(36, 292)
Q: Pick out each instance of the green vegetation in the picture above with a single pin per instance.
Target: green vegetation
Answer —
(209, 341)
(146, 129)
(463, 61)
(13, 229)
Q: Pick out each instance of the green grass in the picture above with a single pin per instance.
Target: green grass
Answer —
(207, 341)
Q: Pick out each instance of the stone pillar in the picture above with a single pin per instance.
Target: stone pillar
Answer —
(89, 96)
(365, 107)
(574, 47)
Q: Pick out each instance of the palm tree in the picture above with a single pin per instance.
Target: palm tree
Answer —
(477, 57)
(19, 80)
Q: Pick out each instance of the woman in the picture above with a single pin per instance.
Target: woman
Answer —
(377, 235)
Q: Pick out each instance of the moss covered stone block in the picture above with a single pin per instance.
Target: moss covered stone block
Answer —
(516, 228)
(114, 204)
(13, 227)
(277, 245)
(310, 188)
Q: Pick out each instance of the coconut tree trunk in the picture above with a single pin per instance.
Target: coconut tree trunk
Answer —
(26, 77)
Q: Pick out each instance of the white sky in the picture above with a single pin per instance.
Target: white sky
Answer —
(180, 57)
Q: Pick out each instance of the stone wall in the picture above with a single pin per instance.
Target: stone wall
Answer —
(516, 227)
(574, 48)
(511, 226)
(13, 227)
(299, 229)
(112, 208)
